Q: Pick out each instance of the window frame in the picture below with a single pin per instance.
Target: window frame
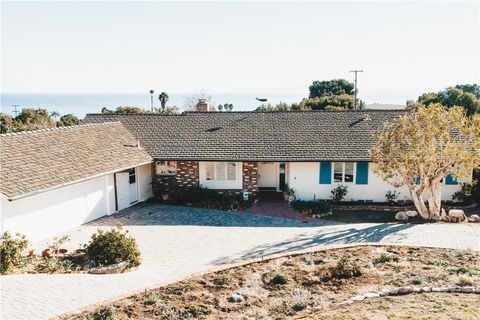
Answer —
(215, 165)
(354, 171)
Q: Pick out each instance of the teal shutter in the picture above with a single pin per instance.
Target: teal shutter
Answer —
(325, 172)
(362, 172)
(417, 181)
(450, 180)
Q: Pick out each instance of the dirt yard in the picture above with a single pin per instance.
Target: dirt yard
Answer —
(313, 286)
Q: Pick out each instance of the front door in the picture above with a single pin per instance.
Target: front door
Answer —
(132, 180)
(267, 175)
(122, 189)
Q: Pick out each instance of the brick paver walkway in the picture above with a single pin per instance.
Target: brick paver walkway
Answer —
(178, 241)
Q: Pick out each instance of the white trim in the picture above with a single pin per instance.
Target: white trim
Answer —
(221, 184)
(343, 172)
(75, 181)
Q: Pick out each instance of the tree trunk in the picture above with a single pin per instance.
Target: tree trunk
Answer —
(434, 197)
(419, 204)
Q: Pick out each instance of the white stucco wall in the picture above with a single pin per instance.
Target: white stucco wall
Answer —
(222, 184)
(56, 211)
(144, 178)
(304, 179)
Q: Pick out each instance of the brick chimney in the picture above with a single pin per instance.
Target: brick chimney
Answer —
(202, 105)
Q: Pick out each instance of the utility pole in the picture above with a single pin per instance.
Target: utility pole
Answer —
(151, 99)
(355, 90)
(15, 110)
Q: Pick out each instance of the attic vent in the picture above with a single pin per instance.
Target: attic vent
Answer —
(213, 129)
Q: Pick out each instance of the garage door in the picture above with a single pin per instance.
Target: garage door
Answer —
(54, 212)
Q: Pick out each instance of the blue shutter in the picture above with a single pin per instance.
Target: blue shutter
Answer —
(325, 172)
(450, 180)
(362, 172)
(417, 181)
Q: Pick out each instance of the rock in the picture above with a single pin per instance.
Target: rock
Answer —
(371, 295)
(401, 216)
(383, 292)
(467, 289)
(456, 215)
(405, 290)
(411, 213)
(437, 290)
(112, 268)
(236, 298)
(474, 218)
(368, 265)
(417, 290)
(425, 289)
(436, 218)
(455, 289)
(443, 214)
(357, 298)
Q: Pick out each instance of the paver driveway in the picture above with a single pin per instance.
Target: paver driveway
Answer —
(178, 241)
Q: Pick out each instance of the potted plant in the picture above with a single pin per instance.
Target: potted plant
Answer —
(288, 194)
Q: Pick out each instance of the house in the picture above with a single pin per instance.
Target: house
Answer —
(244, 153)
(56, 179)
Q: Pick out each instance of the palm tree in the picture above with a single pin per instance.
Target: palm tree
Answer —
(163, 97)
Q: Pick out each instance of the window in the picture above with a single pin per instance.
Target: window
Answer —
(131, 176)
(221, 171)
(166, 168)
(343, 171)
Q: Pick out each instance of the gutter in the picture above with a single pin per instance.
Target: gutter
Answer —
(28, 194)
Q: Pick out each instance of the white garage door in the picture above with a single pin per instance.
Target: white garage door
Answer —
(54, 212)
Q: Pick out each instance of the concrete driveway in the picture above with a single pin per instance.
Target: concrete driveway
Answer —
(178, 241)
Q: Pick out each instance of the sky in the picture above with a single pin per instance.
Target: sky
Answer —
(404, 48)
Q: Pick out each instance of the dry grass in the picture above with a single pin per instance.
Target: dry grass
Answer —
(313, 292)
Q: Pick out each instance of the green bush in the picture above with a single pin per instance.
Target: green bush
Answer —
(315, 208)
(279, 279)
(468, 193)
(299, 306)
(339, 193)
(385, 257)
(113, 246)
(221, 280)
(11, 249)
(104, 313)
(416, 280)
(346, 268)
(205, 198)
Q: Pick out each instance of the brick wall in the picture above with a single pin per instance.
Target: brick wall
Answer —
(188, 176)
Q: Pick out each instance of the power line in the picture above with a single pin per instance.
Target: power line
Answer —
(355, 90)
(15, 111)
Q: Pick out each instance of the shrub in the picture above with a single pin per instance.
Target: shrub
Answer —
(385, 257)
(104, 313)
(416, 280)
(464, 281)
(54, 264)
(196, 311)
(113, 246)
(392, 195)
(298, 306)
(279, 279)
(339, 193)
(315, 208)
(346, 268)
(11, 249)
(221, 280)
(468, 193)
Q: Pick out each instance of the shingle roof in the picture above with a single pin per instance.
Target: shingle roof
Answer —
(255, 136)
(36, 161)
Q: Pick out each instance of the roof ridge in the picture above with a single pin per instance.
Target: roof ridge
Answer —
(246, 111)
(30, 132)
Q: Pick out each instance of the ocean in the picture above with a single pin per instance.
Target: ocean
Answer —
(83, 103)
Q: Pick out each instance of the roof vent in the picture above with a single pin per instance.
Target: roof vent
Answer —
(367, 117)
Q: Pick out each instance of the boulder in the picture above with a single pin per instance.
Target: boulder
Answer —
(401, 216)
(456, 215)
(236, 298)
(110, 269)
(411, 213)
(474, 218)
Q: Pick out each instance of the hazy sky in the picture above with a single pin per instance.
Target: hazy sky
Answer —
(405, 48)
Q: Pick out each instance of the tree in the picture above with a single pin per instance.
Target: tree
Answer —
(470, 88)
(337, 102)
(33, 119)
(424, 146)
(163, 97)
(453, 96)
(55, 114)
(6, 123)
(171, 110)
(105, 110)
(69, 120)
(333, 87)
(128, 109)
